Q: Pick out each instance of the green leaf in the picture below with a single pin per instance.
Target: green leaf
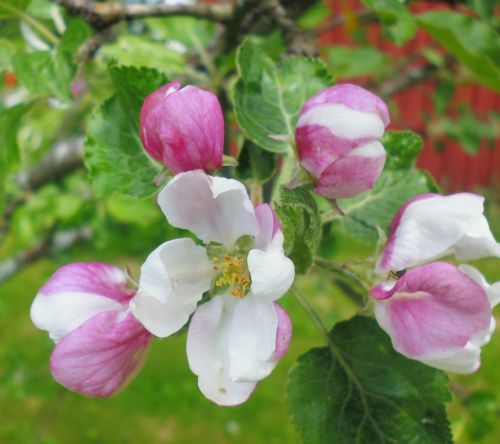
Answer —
(52, 72)
(129, 210)
(255, 164)
(395, 17)
(376, 208)
(468, 130)
(353, 62)
(136, 51)
(360, 390)
(114, 156)
(133, 85)
(268, 98)
(402, 149)
(190, 32)
(314, 15)
(472, 42)
(485, 9)
(12, 8)
(301, 223)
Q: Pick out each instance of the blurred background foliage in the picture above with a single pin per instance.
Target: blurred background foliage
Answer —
(437, 65)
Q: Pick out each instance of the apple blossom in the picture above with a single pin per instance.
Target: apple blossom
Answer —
(337, 137)
(100, 346)
(237, 337)
(183, 128)
(436, 312)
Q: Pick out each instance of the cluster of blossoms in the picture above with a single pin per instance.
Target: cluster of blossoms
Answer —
(226, 284)
(102, 328)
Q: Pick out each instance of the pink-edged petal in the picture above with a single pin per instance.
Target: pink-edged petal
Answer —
(173, 280)
(75, 293)
(89, 277)
(343, 122)
(427, 227)
(252, 340)
(318, 147)
(270, 234)
(271, 272)
(353, 173)
(213, 208)
(284, 333)
(432, 310)
(208, 352)
(492, 291)
(102, 356)
(351, 96)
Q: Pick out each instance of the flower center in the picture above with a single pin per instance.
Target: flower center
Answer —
(233, 272)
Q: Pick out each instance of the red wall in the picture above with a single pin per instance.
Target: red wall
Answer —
(449, 165)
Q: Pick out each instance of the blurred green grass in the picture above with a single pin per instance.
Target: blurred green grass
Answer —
(163, 404)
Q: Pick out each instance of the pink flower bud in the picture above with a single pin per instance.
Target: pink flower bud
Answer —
(183, 128)
(337, 137)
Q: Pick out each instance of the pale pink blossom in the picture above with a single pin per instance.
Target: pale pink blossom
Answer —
(100, 346)
(236, 338)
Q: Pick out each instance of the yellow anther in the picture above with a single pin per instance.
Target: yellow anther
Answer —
(233, 272)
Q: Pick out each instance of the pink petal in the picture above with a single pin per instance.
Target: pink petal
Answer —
(284, 333)
(318, 147)
(183, 128)
(75, 293)
(354, 173)
(433, 310)
(102, 356)
(269, 227)
(89, 277)
(150, 118)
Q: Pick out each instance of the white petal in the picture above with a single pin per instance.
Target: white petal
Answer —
(173, 280)
(477, 242)
(272, 274)
(214, 208)
(344, 122)
(62, 313)
(252, 340)
(428, 227)
(463, 361)
(208, 352)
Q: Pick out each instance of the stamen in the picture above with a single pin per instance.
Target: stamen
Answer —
(234, 273)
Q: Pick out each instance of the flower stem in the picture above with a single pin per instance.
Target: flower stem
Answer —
(311, 312)
(40, 27)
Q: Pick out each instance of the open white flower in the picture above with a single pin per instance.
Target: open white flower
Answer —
(237, 337)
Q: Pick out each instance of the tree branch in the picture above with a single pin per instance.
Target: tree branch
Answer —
(54, 243)
(298, 40)
(410, 77)
(101, 15)
(62, 159)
